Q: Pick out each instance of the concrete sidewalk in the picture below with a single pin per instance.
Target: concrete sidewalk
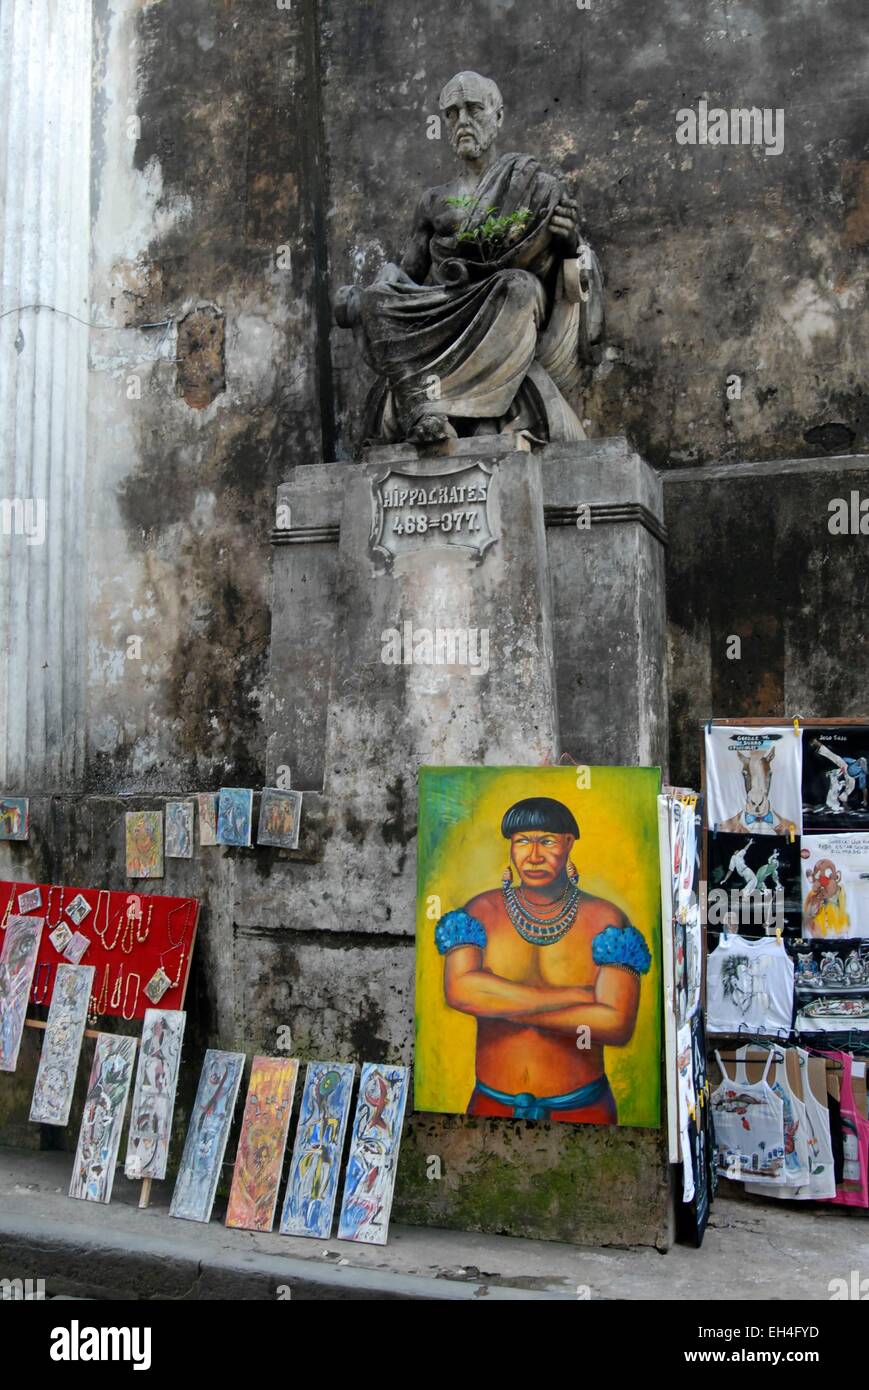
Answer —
(754, 1250)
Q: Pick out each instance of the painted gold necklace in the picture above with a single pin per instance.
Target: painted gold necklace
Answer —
(542, 931)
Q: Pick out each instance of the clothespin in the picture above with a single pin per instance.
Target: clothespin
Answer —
(715, 829)
(709, 726)
(778, 935)
(792, 832)
(797, 725)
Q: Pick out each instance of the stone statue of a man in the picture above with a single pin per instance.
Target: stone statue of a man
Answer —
(496, 305)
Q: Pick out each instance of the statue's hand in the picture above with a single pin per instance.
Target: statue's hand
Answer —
(564, 224)
(345, 307)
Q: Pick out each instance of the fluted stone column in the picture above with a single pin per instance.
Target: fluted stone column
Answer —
(45, 105)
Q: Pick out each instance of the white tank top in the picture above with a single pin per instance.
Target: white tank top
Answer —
(822, 1179)
(749, 1129)
(793, 1119)
(749, 987)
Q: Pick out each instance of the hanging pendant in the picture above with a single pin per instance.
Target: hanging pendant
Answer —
(157, 986)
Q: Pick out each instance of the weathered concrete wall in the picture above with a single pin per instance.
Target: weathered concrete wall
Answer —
(207, 206)
(752, 556)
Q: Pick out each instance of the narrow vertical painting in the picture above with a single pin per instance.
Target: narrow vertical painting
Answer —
(179, 830)
(312, 1187)
(207, 802)
(17, 964)
(154, 1094)
(61, 1045)
(261, 1145)
(373, 1161)
(234, 816)
(144, 832)
(538, 955)
(207, 1135)
(93, 1173)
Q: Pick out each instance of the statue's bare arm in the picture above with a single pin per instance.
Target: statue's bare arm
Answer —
(416, 261)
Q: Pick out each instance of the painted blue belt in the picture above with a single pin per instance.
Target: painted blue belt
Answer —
(526, 1106)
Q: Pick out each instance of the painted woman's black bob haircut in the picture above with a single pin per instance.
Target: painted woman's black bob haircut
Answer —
(539, 813)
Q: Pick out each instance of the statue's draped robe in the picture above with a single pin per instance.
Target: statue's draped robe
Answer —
(463, 344)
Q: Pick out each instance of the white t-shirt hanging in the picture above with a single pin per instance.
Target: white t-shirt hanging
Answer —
(754, 780)
(749, 1129)
(835, 885)
(749, 987)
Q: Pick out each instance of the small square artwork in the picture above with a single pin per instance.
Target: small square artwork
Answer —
(29, 901)
(78, 909)
(234, 816)
(144, 831)
(280, 816)
(207, 818)
(14, 818)
(76, 947)
(179, 829)
(60, 937)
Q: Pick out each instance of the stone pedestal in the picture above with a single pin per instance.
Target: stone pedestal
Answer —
(549, 635)
(604, 510)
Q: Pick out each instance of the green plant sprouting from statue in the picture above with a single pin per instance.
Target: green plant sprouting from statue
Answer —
(495, 233)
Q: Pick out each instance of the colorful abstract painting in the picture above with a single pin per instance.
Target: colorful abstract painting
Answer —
(207, 802)
(538, 982)
(234, 816)
(280, 816)
(17, 964)
(373, 1160)
(312, 1187)
(207, 1135)
(179, 829)
(14, 818)
(154, 1095)
(61, 1045)
(99, 1139)
(144, 831)
(262, 1142)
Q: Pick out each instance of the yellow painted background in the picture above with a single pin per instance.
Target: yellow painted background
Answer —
(462, 853)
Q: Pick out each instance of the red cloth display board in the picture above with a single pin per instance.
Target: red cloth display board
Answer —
(172, 920)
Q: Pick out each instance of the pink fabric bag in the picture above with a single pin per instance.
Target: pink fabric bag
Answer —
(853, 1190)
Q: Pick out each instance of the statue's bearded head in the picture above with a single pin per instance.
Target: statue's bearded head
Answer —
(474, 110)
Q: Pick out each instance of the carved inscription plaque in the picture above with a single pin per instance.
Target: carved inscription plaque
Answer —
(412, 512)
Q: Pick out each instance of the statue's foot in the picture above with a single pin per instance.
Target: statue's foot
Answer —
(431, 429)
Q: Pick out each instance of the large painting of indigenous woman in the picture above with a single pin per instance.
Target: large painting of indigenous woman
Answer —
(538, 987)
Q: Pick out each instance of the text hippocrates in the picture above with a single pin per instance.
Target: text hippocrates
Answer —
(442, 495)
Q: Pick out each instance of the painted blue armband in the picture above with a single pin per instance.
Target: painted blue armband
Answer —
(621, 946)
(459, 929)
